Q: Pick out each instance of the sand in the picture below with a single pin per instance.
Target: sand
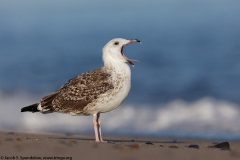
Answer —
(78, 147)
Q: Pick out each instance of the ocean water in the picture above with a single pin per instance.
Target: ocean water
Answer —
(186, 83)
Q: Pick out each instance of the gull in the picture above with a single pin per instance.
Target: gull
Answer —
(94, 92)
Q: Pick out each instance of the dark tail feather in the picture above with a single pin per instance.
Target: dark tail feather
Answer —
(32, 108)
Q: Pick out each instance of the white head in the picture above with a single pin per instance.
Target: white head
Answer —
(113, 51)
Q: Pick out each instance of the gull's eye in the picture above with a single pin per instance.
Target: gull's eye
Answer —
(116, 43)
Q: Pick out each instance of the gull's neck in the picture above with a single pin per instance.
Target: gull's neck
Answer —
(113, 63)
(117, 66)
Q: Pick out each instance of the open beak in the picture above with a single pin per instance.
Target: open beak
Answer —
(130, 61)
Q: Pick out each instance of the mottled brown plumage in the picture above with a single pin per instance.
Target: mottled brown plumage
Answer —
(77, 93)
(94, 92)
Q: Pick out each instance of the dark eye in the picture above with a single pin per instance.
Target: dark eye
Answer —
(116, 43)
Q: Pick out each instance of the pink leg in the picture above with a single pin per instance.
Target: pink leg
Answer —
(95, 125)
(97, 128)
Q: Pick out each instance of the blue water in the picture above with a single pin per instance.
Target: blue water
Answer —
(190, 50)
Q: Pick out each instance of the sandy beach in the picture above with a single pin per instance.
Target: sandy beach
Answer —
(60, 146)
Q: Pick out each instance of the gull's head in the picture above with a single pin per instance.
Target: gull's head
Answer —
(113, 51)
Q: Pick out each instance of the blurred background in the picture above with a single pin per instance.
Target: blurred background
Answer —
(187, 83)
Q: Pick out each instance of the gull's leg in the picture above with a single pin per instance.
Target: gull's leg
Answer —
(99, 128)
(96, 127)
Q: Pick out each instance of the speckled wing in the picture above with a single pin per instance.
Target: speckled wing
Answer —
(78, 92)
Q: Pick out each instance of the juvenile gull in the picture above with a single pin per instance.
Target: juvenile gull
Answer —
(94, 92)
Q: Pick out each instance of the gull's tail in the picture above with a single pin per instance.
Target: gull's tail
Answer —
(32, 108)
